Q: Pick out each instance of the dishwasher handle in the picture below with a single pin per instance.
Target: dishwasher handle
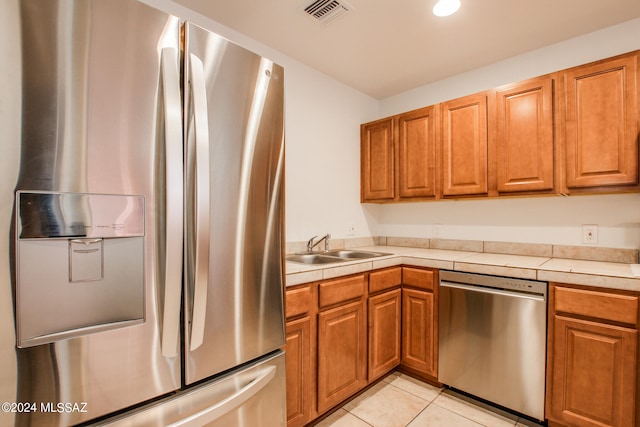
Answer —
(493, 291)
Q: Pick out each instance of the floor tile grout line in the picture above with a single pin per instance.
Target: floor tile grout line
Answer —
(415, 395)
(471, 419)
(418, 414)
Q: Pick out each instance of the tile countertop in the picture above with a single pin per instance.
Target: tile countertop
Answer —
(588, 273)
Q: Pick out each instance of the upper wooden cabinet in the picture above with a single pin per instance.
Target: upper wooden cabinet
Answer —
(601, 117)
(417, 153)
(572, 131)
(398, 157)
(464, 146)
(524, 137)
(377, 157)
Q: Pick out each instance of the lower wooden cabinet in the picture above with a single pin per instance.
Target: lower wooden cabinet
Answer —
(384, 333)
(299, 372)
(419, 322)
(301, 307)
(345, 333)
(592, 358)
(342, 353)
(418, 344)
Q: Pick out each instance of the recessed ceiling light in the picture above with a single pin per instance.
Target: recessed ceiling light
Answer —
(446, 7)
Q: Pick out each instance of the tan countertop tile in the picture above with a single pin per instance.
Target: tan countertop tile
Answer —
(589, 273)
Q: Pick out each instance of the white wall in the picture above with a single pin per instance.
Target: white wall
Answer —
(556, 220)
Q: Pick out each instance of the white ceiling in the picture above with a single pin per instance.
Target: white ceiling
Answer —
(385, 47)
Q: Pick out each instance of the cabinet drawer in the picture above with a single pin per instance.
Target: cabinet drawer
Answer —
(340, 290)
(385, 279)
(298, 301)
(601, 305)
(418, 278)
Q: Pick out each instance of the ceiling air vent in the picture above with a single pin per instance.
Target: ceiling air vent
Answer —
(327, 11)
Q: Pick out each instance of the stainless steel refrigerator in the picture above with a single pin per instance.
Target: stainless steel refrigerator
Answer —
(147, 234)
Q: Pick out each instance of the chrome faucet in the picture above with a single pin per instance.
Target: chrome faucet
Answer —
(311, 244)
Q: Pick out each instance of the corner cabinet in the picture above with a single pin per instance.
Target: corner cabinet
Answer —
(377, 158)
(592, 372)
(398, 157)
(600, 123)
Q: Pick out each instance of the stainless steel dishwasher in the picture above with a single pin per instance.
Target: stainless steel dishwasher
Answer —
(492, 339)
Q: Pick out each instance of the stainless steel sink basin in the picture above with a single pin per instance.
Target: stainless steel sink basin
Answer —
(339, 255)
(354, 254)
(306, 258)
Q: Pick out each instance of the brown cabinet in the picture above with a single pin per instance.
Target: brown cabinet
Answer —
(377, 158)
(419, 322)
(384, 313)
(464, 146)
(300, 349)
(573, 131)
(592, 357)
(600, 123)
(417, 153)
(524, 139)
(342, 340)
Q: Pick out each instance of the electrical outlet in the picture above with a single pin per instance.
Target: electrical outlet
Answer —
(351, 230)
(437, 231)
(590, 233)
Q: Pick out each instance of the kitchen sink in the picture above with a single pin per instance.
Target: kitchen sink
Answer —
(328, 257)
(313, 258)
(354, 254)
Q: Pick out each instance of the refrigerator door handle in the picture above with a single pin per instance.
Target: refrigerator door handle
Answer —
(202, 202)
(230, 403)
(173, 199)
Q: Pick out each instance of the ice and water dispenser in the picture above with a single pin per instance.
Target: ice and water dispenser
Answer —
(80, 264)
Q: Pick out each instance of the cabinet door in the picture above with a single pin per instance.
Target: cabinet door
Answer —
(377, 167)
(593, 380)
(524, 136)
(384, 333)
(464, 146)
(299, 374)
(601, 125)
(417, 153)
(342, 353)
(419, 347)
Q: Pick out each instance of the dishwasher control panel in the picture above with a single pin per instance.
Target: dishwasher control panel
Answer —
(499, 282)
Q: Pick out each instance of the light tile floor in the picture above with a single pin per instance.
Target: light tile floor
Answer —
(402, 401)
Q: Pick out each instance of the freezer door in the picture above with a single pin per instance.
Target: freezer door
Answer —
(93, 116)
(234, 191)
(253, 396)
